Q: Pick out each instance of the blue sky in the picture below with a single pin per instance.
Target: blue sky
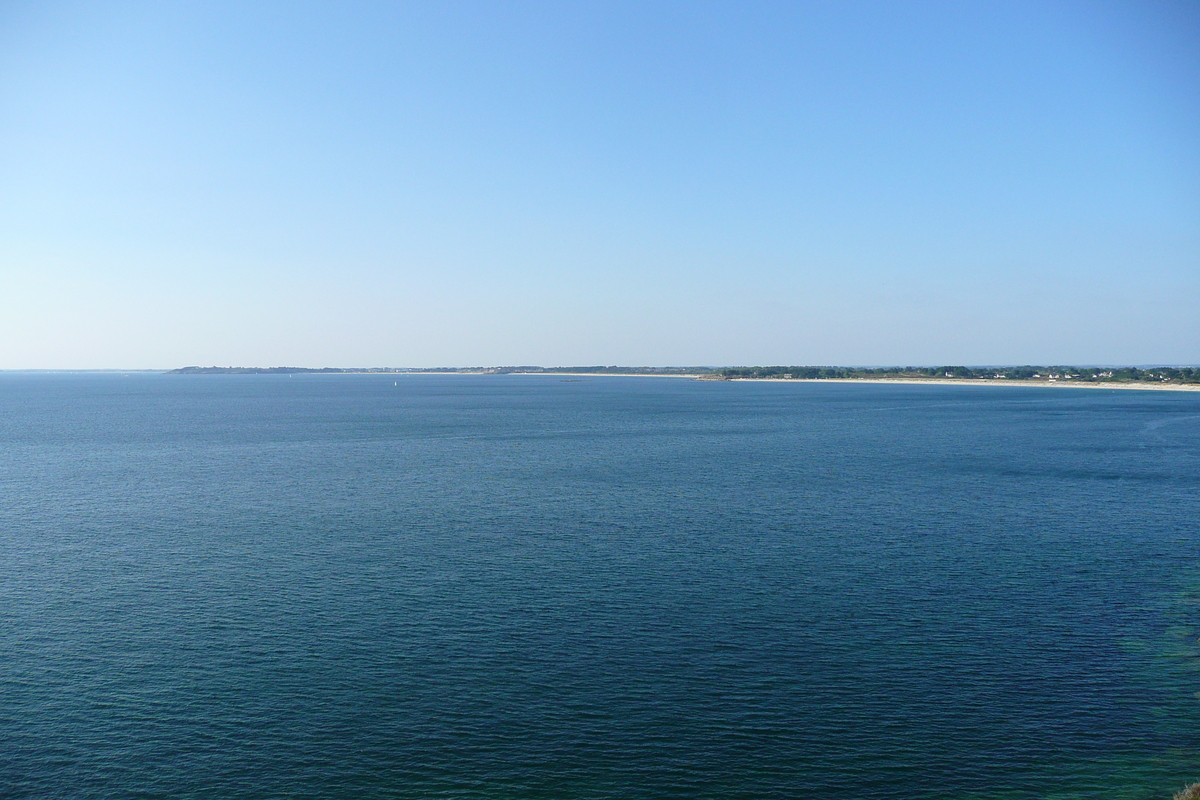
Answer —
(563, 183)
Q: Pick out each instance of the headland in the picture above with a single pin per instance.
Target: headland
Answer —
(1178, 378)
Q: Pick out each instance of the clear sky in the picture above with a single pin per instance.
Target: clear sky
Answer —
(423, 184)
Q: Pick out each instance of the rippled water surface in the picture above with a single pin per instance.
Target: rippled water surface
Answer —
(532, 587)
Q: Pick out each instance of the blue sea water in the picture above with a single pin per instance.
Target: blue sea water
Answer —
(534, 587)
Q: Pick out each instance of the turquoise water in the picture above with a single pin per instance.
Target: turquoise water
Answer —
(532, 587)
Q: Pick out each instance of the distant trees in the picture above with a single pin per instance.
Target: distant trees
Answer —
(1056, 373)
(1023, 373)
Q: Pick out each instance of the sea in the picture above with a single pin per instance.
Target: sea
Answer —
(533, 586)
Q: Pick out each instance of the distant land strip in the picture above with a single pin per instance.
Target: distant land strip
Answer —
(958, 374)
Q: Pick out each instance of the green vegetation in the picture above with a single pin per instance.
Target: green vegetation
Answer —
(613, 370)
(1027, 373)
(262, 370)
(1059, 374)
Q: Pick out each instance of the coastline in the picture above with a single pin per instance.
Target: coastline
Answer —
(714, 376)
(1147, 386)
(691, 375)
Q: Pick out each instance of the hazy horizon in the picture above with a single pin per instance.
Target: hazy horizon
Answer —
(621, 183)
(429, 367)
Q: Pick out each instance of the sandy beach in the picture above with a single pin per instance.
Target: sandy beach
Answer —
(1143, 386)
(1147, 386)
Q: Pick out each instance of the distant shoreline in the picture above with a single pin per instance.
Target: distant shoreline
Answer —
(1181, 379)
(695, 376)
(1144, 386)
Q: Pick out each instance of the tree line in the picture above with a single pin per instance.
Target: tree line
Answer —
(1056, 373)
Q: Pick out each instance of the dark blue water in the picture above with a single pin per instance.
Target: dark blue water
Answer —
(526, 587)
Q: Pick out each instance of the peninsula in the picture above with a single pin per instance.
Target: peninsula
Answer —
(1109, 376)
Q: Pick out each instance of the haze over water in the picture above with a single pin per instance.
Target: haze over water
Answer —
(537, 587)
